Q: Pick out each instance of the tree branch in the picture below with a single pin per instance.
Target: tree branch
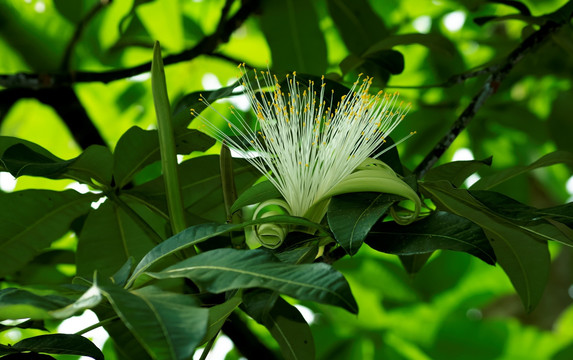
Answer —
(67, 58)
(206, 46)
(489, 88)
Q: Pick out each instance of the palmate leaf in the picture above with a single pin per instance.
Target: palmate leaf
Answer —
(31, 219)
(439, 231)
(221, 270)
(167, 325)
(523, 255)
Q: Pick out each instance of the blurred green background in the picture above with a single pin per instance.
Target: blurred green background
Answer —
(456, 307)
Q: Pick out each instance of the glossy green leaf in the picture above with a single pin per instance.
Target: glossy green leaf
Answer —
(34, 219)
(357, 23)
(439, 231)
(168, 325)
(351, 216)
(434, 42)
(199, 233)
(557, 157)
(108, 239)
(21, 304)
(201, 186)
(138, 148)
(69, 344)
(523, 256)
(227, 269)
(456, 172)
(93, 163)
(218, 314)
(526, 217)
(284, 322)
(292, 31)
(182, 110)
(260, 192)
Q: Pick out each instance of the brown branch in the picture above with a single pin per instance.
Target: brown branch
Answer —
(206, 46)
(489, 88)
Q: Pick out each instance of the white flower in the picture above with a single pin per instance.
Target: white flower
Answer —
(304, 145)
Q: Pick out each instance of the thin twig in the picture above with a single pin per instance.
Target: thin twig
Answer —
(489, 88)
(81, 26)
(206, 46)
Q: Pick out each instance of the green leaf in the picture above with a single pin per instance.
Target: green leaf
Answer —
(201, 186)
(357, 23)
(389, 60)
(89, 299)
(439, 231)
(218, 314)
(31, 219)
(526, 217)
(28, 324)
(559, 121)
(181, 111)
(284, 322)
(292, 32)
(71, 10)
(21, 304)
(456, 172)
(221, 270)
(93, 163)
(523, 256)
(557, 157)
(434, 42)
(199, 233)
(108, 239)
(257, 193)
(351, 216)
(69, 344)
(168, 325)
(138, 148)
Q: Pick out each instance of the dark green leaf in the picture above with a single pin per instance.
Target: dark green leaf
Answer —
(559, 122)
(389, 60)
(31, 219)
(227, 269)
(414, 263)
(201, 186)
(523, 256)
(108, 239)
(260, 192)
(351, 216)
(121, 276)
(357, 23)
(168, 325)
(557, 157)
(71, 10)
(28, 324)
(93, 163)
(292, 31)
(138, 148)
(434, 42)
(182, 110)
(21, 304)
(284, 322)
(218, 314)
(28, 356)
(60, 344)
(439, 231)
(456, 172)
(199, 233)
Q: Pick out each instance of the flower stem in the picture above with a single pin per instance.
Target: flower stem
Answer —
(167, 143)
